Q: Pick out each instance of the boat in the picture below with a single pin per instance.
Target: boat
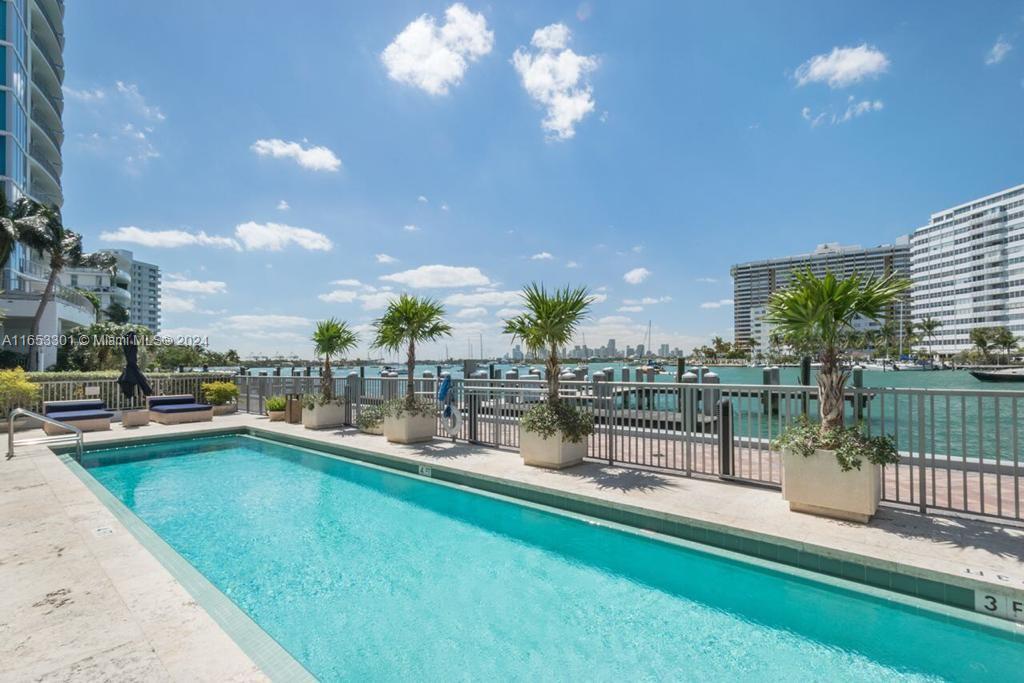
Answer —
(1008, 375)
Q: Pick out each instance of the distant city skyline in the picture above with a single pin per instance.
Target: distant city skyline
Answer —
(640, 150)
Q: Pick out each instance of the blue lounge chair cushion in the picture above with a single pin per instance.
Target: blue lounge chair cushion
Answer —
(70, 415)
(53, 407)
(179, 407)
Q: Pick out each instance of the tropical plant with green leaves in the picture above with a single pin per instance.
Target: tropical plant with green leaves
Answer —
(409, 321)
(929, 326)
(981, 337)
(41, 228)
(331, 339)
(817, 315)
(1002, 337)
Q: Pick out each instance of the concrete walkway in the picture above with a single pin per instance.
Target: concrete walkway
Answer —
(84, 600)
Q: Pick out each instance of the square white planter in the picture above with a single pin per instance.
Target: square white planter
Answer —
(555, 452)
(323, 417)
(817, 485)
(409, 428)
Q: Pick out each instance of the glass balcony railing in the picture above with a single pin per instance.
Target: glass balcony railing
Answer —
(49, 133)
(18, 285)
(59, 35)
(57, 67)
(48, 166)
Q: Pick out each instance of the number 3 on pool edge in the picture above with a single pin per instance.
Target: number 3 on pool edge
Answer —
(991, 604)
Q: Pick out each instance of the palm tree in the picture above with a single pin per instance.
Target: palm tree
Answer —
(886, 335)
(331, 339)
(929, 326)
(41, 228)
(549, 322)
(981, 337)
(818, 314)
(408, 321)
(1003, 338)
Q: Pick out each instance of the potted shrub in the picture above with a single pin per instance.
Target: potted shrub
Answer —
(331, 339)
(552, 433)
(371, 420)
(409, 321)
(18, 391)
(223, 396)
(823, 463)
(275, 407)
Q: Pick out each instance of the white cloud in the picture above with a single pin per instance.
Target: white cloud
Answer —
(255, 324)
(598, 298)
(474, 312)
(276, 236)
(421, 199)
(374, 301)
(647, 301)
(557, 78)
(707, 280)
(856, 109)
(85, 95)
(339, 296)
(130, 92)
(166, 238)
(169, 303)
(434, 58)
(998, 52)
(614, 320)
(717, 304)
(410, 228)
(384, 258)
(629, 309)
(444, 207)
(314, 158)
(439, 276)
(507, 312)
(492, 298)
(843, 66)
(571, 264)
(283, 205)
(195, 286)
(541, 256)
(636, 276)
(347, 283)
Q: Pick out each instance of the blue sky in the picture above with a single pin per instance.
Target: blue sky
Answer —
(638, 148)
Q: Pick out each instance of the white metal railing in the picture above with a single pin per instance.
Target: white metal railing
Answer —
(74, 433)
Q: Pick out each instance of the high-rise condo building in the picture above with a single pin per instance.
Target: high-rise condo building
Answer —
(967, 266)
(754, 282)
(133, 285)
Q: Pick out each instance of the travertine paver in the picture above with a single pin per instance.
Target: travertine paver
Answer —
(79, 605)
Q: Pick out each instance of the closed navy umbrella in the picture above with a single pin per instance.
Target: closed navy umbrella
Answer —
(131, 377)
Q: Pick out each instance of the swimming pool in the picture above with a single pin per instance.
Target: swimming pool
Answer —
(362, 573)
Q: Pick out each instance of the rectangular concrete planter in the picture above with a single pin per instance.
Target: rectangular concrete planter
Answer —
(276, 415)
(818, 486)
(376, 431)
(409, 428)
(554, 452)
(323, 417)
(134, 418)
(225, 409)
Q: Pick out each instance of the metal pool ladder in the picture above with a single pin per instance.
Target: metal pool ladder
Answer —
(74, 435)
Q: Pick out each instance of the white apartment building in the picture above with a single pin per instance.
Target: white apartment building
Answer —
(967, 266)
(756, 281)
(135, 285)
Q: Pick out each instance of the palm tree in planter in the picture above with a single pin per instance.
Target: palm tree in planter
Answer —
(822, 461)
(332, 339)
(408, 321)
(552, 433)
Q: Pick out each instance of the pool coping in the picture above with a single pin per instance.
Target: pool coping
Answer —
(939, 592)
(269, 655)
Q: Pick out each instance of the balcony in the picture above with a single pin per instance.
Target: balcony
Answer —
(40, 51)
(57, 34)
(49, 134)
(48, 106)
(46, 164)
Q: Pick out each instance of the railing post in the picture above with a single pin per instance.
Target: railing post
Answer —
(725, 438)
(922, 446)
(351, 396)
(472, 403)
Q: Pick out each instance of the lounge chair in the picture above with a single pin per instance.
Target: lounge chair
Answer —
(89, 415)
(172, 410)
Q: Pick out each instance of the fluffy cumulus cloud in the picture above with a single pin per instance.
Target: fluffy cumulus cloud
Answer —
(844, 66)
(439, 276)
(629, 309)
(171, 303)
(276, 236)
(999, 51)
(384, 258)
(410, 227)
(636, 276)
(177, 283)
(557, 78)
(339, 296)
(434, 57)
(249, 236)
(316, 158)
(283, 205)
(474, 312)
(721, 303)
(542, 256)
(167, 239)
(490, 298)
(647, 301)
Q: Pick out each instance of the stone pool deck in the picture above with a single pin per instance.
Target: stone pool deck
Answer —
(85, 599)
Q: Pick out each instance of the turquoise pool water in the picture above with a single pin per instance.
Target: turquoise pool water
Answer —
(364, 574)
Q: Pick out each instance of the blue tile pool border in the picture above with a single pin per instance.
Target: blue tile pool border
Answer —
(854, 572)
